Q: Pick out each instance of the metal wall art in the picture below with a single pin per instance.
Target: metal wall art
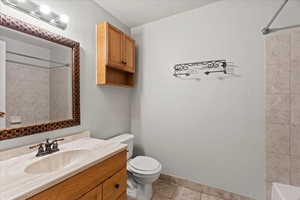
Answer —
(198, 70)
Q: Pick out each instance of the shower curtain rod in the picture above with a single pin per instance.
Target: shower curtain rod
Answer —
(268, 30)
(37, 58)
(32, 65)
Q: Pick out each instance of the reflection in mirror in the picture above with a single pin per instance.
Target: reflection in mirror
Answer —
(35, 82)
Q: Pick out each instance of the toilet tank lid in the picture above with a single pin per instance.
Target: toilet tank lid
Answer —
(122, 138)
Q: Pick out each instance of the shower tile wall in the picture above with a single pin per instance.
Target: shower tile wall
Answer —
(60, 94)
(27, 94)
(61, 85)
(37, 95)
(283, 108)
(27, 87)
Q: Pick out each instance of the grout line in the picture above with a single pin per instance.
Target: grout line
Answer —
(182, 185)
(290, 94)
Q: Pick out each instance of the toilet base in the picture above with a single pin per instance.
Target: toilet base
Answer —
(139, 191)
(144, 192)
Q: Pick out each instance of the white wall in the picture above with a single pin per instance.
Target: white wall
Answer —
(104, 110)
(210, 131)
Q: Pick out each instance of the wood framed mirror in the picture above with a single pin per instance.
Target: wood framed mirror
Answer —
(27, 104)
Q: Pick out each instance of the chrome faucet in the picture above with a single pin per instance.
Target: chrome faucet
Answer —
(47, 147)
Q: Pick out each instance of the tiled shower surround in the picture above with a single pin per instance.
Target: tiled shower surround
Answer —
(283, 108)
(38, 95)
(27, 94)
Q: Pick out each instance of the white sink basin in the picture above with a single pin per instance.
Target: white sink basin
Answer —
(285, 192)
(56, 162)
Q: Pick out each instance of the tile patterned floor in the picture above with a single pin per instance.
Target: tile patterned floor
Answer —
(168, 191)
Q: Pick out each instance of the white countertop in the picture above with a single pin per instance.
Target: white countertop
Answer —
(15, 184)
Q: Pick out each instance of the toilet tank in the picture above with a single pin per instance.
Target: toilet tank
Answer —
(125, 138)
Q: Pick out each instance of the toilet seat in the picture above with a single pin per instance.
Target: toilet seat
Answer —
(144, 165)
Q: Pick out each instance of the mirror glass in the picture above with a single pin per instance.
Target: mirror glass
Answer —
(35, 80)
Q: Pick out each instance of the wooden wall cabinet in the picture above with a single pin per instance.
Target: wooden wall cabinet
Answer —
(115, 56)
(104, 181)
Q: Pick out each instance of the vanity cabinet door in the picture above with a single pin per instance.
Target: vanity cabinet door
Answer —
(123, 197)
(95, 194)
(115, 186)
(129, 53)
(115, 46)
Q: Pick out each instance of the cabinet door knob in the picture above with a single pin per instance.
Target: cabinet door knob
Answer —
(2, 114)
(117, 186)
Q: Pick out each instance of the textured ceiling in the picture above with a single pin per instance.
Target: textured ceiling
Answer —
(137, 12)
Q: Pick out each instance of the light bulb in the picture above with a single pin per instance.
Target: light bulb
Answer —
(64, 18)
(45, 9)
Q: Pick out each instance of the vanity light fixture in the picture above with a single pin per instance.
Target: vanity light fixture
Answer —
(64, 18)
(42, 12)
(45, 9)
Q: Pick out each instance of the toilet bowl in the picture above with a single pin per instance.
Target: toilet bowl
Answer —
(142, 171)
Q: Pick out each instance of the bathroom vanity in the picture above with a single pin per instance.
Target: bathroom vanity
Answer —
(46, 67)
(83, 169)
(106, 180)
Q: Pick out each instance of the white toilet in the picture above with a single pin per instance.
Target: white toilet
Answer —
(142, 170)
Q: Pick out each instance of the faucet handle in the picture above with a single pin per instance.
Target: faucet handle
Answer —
(55, 145)
(36, 146)
(58, 140)
(47, 141)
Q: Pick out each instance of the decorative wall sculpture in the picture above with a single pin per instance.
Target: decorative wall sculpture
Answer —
(198, 70)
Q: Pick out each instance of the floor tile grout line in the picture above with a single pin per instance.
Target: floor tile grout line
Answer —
(180, 185)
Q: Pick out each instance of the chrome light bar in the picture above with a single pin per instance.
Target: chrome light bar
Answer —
(42, 12)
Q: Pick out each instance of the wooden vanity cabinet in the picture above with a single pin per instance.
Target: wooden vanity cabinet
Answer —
(123, 197)
(115, 186)
(106, 180)
(115, 56)
(95, 194)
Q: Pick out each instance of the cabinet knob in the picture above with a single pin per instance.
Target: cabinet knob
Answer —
(117, 186)
(2, 114)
